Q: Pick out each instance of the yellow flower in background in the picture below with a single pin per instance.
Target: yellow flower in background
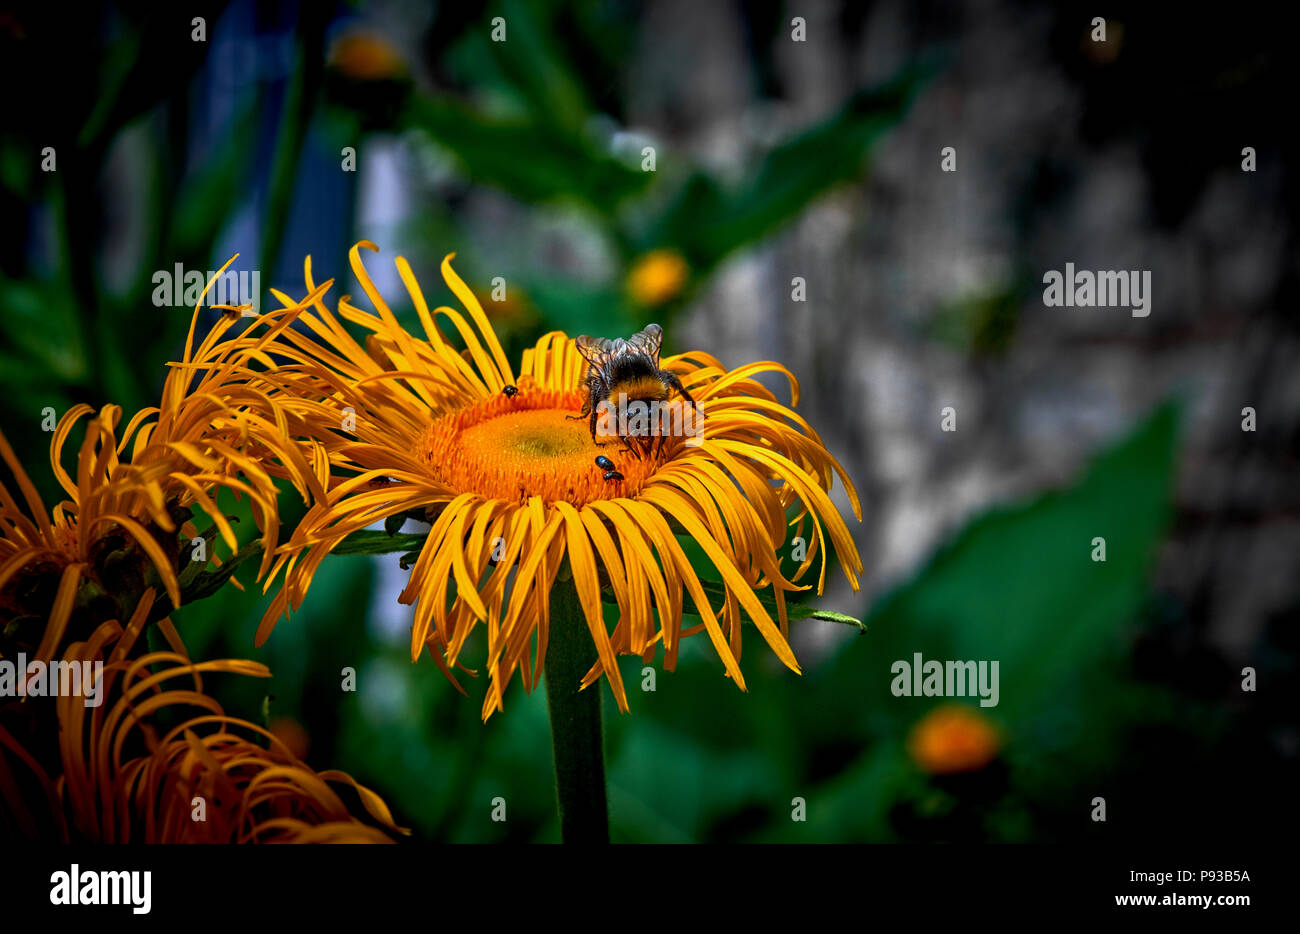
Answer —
(953, 738)
(412, 425)
(657, 276)
(365, 56)
(127, 774)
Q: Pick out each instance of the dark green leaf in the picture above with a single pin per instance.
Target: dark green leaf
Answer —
(369, 542)
(581, 309)
(531, 159)
(532, 61)
(408, 559)
(706, 221)
(393, 524)
(1019, 585)
(210, 581)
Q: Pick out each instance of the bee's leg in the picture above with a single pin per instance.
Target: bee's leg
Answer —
(592, 407)
(586, 407)
(670, 379)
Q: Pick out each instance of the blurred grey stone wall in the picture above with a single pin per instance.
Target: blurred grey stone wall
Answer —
(887, 259)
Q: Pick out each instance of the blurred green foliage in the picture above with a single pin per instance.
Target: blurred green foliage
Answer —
(539, 159)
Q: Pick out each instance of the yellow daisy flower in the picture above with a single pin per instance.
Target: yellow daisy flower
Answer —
(122, 523)
(124, 777)
(415, 426)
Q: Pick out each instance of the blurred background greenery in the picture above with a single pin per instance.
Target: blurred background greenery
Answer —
(293, 130)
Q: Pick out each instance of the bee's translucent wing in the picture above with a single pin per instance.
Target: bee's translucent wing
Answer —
(648, 341)
(597, 351)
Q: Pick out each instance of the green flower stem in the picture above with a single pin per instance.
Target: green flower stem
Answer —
(576, 735)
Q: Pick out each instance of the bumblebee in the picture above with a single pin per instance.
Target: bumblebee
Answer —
(625, 367)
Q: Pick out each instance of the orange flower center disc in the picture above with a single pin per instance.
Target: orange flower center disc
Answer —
(513, 448)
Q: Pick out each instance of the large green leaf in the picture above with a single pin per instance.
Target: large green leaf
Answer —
(580, 308)
(535, 65)
(706, 221)
(39, 321)
(527, 157)
(1020, 585)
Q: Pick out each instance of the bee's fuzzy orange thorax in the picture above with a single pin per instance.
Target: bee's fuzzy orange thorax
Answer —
(641, 387)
